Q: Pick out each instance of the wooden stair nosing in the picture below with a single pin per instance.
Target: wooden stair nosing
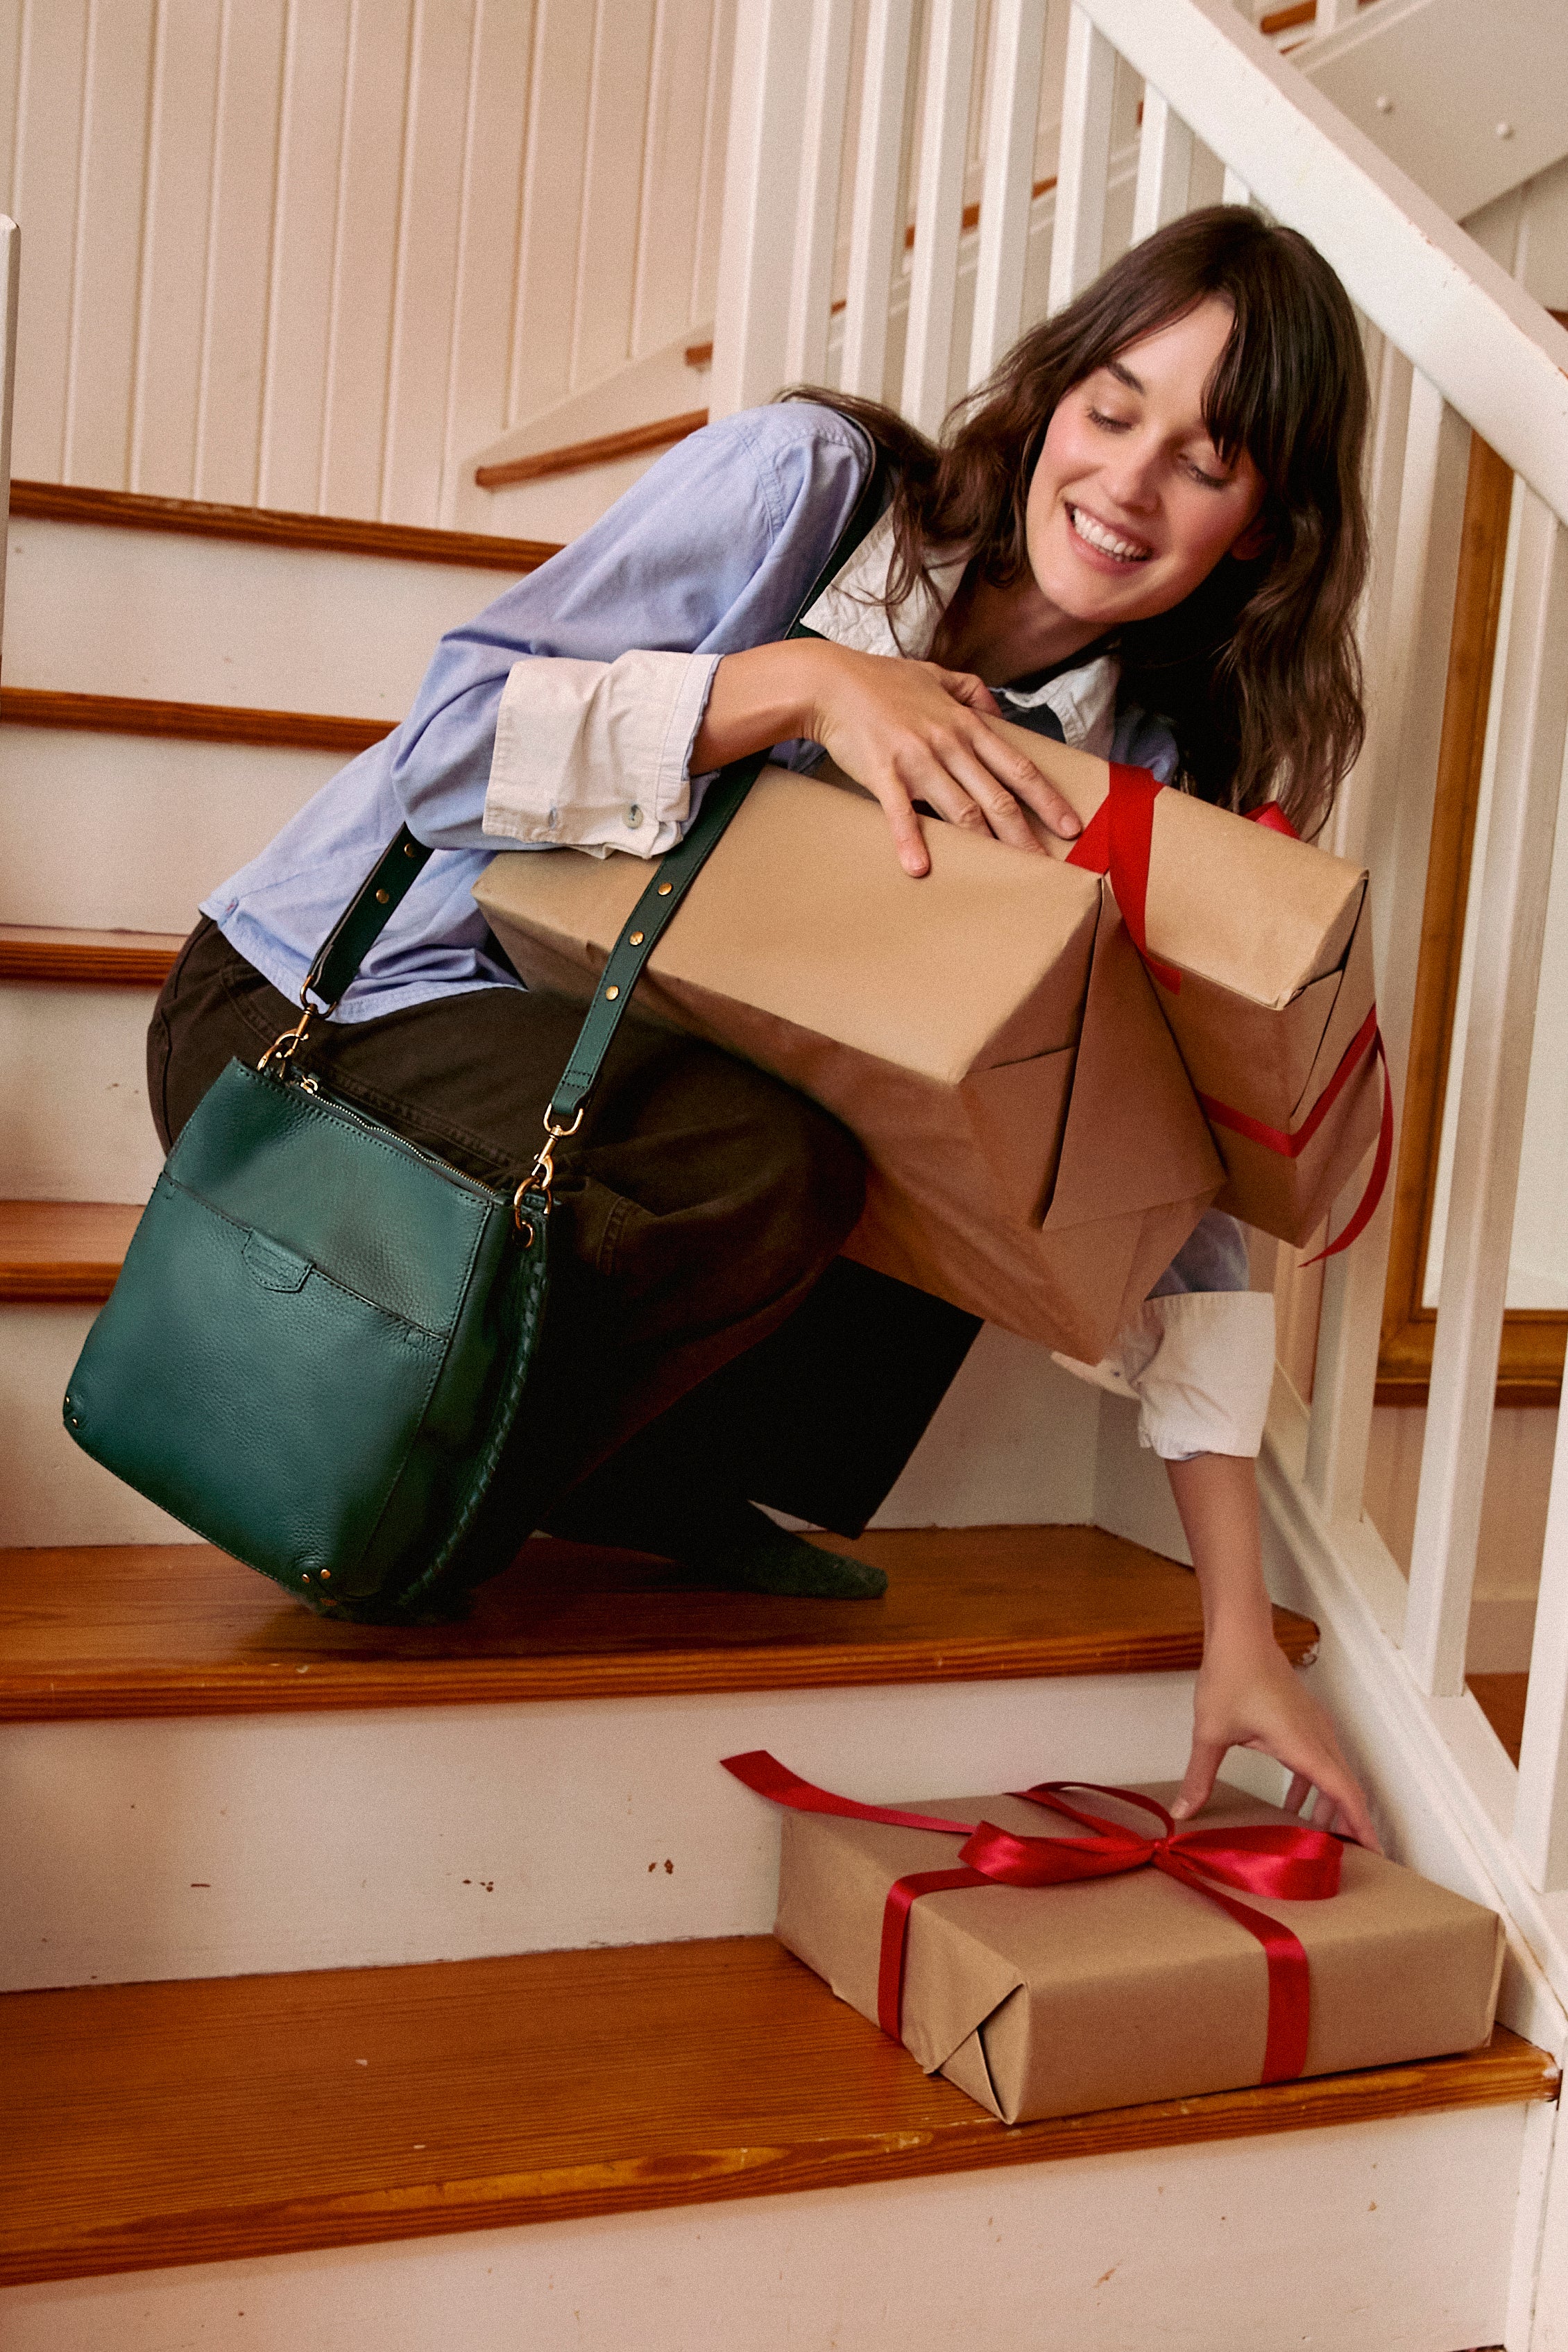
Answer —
(197, 722)
(145, 1631)
(56, 1250)
(276, 527)
(279, 2114)
(52, 952)
(602, 450)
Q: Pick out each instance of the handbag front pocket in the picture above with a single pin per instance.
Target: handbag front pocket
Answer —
(285, 1451)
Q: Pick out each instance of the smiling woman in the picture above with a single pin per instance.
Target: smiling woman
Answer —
(1143, 538)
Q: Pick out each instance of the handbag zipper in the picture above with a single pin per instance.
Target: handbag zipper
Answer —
(340, 1109)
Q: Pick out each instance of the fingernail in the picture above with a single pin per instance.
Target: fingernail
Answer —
(1180, 1810)
(1070, 825)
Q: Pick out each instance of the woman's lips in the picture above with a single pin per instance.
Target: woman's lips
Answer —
(1113, 547)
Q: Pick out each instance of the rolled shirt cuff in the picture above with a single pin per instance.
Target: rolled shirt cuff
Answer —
(1201, 1368)
(597, 755)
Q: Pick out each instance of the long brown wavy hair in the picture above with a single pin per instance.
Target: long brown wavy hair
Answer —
(1257, 671)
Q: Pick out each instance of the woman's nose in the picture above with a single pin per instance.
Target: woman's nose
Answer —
(1132, 476)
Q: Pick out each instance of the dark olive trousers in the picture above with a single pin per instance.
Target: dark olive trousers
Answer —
(703, 1332)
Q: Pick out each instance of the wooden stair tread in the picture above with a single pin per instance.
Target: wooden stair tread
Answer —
(53, 951)
(180, 1629)
(190, 2122)
(63, 1249)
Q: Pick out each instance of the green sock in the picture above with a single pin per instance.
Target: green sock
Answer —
(748, 1553)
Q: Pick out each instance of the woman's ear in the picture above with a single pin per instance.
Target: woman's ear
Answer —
(1255, 541)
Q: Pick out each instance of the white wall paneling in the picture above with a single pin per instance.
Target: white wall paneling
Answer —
(939, 206)
(1017, 41)
(315, 252)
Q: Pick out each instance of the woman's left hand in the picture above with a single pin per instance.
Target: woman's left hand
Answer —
(1248, 1696)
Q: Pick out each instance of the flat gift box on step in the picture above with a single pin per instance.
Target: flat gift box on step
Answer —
(1034, 1152)
(1062, 1999)
(1262, 950)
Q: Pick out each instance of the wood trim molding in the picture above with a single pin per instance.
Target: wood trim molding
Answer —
(200, 722)
(43, 952)
(576, 457)
(1529, 1369)
(272, 527)
(495, 2093)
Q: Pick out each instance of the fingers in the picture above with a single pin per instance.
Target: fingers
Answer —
(904, 825)
(966, 688)
(1337, 1803)
(1198, 1783)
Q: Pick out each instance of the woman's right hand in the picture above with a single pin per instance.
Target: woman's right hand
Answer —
(907, 730)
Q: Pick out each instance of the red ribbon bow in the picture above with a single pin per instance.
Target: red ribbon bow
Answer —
(1296, 1865)
(1117, 840)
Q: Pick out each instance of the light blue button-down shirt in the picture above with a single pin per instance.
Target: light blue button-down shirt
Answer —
(711, 552)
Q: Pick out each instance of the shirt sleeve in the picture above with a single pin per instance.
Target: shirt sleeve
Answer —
(1198, 1357)
(582, 689)
(595, 755)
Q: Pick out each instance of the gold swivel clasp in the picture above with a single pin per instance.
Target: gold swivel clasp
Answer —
(282, 1050)
(541, 1175)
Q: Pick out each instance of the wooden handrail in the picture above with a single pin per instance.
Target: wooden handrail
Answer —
(273, 527)
(575, 456)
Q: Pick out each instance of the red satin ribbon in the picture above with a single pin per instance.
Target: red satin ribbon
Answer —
(1117, 840)
(1296, 1865)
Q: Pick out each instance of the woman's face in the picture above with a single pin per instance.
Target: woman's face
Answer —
(1130, 506)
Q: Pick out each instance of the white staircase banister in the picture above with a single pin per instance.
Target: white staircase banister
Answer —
(1491, 351)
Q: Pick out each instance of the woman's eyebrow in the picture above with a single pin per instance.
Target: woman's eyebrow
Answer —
(1124, 375)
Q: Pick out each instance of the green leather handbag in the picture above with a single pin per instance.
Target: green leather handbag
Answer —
(322, 1337)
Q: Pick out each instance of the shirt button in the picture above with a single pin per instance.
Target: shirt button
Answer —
(634, 814)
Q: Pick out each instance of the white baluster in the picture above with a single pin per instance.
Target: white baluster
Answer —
(10, 273)
(1018, 46)
(939, 212)
(1423, 453)
(1541, 1809)
(756, 256)
(1018, 39)
(1164, 167)
(1085, 161)
(1532, 666)
(817, 210)
(878, 217)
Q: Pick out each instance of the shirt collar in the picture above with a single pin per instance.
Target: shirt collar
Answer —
(850, 610)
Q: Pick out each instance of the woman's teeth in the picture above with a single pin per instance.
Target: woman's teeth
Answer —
(1126, 551)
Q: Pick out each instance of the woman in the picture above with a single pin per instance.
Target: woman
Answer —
(1153, 510)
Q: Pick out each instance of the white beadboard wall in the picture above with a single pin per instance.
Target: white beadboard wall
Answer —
(311, 254)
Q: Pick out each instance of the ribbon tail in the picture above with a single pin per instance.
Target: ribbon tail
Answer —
(1383, 1160)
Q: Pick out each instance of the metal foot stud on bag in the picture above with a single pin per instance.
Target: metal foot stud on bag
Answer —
(320, 1342)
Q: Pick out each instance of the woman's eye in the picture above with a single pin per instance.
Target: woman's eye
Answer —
(1210, 481)
(1111, 424)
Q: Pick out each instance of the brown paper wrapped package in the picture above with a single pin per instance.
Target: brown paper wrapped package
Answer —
(1059, 2001)
(1033, 1150)
(1273, 941)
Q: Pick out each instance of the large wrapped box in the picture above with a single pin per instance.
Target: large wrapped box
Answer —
(1061, 2000)
(1034, 1150)
(1262, 950)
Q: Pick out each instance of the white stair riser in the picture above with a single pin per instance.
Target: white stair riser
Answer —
(220, 1846)
(1385, 2237)
(91, 609)
(50, 1491)
(132, 832)
(73, 1122)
